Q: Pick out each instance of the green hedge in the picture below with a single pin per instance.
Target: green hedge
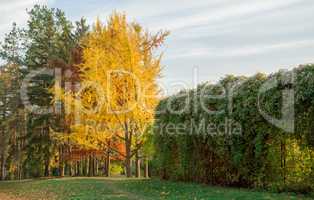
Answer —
(238, 146)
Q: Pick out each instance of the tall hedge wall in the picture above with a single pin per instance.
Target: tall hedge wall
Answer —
(240, 145)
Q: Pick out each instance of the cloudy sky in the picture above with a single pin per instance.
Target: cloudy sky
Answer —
(209, 38)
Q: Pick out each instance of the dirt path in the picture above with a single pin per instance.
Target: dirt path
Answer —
(9, 197)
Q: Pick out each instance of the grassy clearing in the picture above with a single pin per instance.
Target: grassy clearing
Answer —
(118, 189)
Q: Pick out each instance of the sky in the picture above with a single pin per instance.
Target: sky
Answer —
(209, 38)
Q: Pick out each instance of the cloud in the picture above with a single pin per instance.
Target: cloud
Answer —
(240, 51)
(231, 35)
(150, 13)
(222, 13)
(15, 11)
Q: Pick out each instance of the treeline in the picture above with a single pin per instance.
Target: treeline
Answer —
(243, 142)
(45, 64)
(48, 40)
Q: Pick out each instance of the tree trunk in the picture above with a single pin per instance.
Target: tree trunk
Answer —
(71, 168)
(96, 161)
(81, 167)
(46, 134)
(128, 167)
(61, 162)
(90, 166)
(78, 167)
(128, 151)
(107, 164)
(283, 159)
(61, 170)
(137, 165)
(47, 168)
(128, 158)
(3, 169)
(85, 167)
(94, 165)
(146, 168)
(75, 168)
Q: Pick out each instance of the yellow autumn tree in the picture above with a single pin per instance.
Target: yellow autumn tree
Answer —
(118, 85)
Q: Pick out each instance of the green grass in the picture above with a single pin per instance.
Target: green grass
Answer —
(115, 189)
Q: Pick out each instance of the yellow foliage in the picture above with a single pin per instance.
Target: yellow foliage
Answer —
(118, 88)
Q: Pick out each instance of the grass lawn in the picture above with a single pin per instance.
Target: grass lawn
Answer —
(114, 189)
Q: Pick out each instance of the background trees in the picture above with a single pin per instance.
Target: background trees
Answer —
(45, 43)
